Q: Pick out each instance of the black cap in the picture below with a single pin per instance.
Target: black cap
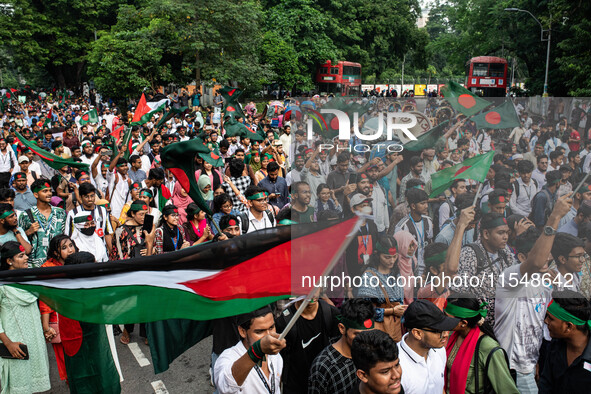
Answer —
(424, 314)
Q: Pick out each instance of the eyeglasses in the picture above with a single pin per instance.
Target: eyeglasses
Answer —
(434, 331)
(580, 257)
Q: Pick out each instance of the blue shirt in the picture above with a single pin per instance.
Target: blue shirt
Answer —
(24, 201)
(277, 187)
(539, 204)
(570, 228)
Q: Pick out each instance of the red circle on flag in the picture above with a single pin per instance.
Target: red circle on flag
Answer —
(214, 156)
(501, 198)
(231, 92)
(85, 117)
(231, 109)
(334, 123)
(493, 117)
(466, 101)
(367, 323)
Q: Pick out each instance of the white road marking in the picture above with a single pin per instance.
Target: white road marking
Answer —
(138, 354)
(159, 387)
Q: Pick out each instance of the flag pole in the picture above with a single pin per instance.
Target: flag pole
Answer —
(580, 184)
(477, 193)
(330, 266)
(217, 227)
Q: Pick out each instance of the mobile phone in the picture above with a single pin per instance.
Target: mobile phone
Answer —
(352, 178)
(148, 223)
(107, 153)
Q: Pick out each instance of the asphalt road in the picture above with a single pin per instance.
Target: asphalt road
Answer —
(189, 373)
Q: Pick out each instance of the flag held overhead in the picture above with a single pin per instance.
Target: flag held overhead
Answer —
(463, 100)
(53, 161)
(475, 168)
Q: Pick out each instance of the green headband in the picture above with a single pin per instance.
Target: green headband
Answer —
(384, 250)
(146, 193)
(38, 188)
(465, 313)
(284, 222)
(368, 324)
(122, 164)
(6, 214)
(494, 223)
(83, 219)
(560, 313)
(257, 196)
(13, 252)
(437, 258)
(138, 206)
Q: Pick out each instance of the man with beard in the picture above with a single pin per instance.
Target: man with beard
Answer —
(301, 211)
(361, 186)
(575, 225)
(380, 202)
(88, 155)
(9, 229)
(24, 198)
(338, 179)
(85, 237)
(295, 174)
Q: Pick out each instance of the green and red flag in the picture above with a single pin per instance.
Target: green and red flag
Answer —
(428, 139)
(89, 117)
(53, 161)
(474, 168)
(204, 282)
(146, 109)
(164, 195)
(500, 117)
(232, 108)
(169, 115)
(179, 158)
(463, 100)
(213, 158)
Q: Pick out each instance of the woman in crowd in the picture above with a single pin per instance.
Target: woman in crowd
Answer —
(326, 200)
(195, 228)
(407, 262)
(262, 172)
(169, 236)
(131, 241)
(465, 372)
(60, 247)
(147, 197)
(134, 194)
(181, 200)
(222, 205)
(215, 176)
(20, 324)
(387, 297)
(255, 163)
(204, 184)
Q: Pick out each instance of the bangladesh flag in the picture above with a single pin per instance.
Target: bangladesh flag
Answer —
(89, 117)
(232, 108)
(428, 139)
(179, 158)
(213, 158)
(146, 109)
(501, 117)
(163, 196)
(475, 168)
(169, 115)
(50, 159)
(204, 282)
(87, 354)
(463, 100)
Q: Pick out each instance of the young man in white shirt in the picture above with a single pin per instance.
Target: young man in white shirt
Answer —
(258, 216)
(253, 365)
(422, 348)
(524, 189)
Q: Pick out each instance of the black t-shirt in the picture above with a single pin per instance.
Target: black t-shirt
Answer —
(225, 334)
(362, 244)
(304, 342)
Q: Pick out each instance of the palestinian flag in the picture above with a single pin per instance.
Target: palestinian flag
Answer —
(501, 117)
(463, 100)
(475, 168)
(428, 139)
(50, 159)
(204, 282)
(89, 117)
(179, 158)
(116, 133)
(88, 358)
(145, 110)
(169, 115)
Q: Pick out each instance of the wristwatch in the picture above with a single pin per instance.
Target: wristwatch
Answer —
(549, 231)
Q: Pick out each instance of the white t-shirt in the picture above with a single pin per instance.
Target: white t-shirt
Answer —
(421, 376)
(119, 193)
(519, 318)
(225, 382)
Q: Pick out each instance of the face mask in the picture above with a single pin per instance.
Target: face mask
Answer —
(366, 210)
(88, 230)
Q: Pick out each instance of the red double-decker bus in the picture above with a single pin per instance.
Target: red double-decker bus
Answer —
(341, 79)
(487, 76)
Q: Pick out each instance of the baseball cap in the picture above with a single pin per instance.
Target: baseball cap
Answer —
(424, 314)
(358, 199)
(23, 159)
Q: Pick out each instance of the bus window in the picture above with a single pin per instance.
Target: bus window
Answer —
(351, 70)
(480, 70)
(334, 70)
(497, 70)
(323, 70)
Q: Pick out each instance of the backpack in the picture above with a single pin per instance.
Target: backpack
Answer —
(481, 261)
(413, 231)
(487, 384)
(245, 223)
(515, 185)
(549, 205)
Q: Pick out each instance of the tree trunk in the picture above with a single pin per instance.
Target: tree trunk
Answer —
(197, 73)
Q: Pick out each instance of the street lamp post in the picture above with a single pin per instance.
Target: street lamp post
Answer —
(543, 39)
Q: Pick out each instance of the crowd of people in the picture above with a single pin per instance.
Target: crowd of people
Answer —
(484, 287)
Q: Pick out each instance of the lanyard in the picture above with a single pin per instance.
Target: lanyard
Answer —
(365, 238)
(271, 389)
(177, 238)
(48, 222)
(421, 238)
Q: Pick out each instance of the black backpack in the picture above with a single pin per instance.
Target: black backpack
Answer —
(245, 223)
(481, 261)
(516, 187)
(488, 389)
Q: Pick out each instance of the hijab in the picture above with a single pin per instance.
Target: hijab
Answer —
(202, 183)
(181, 202)
(407, 265)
